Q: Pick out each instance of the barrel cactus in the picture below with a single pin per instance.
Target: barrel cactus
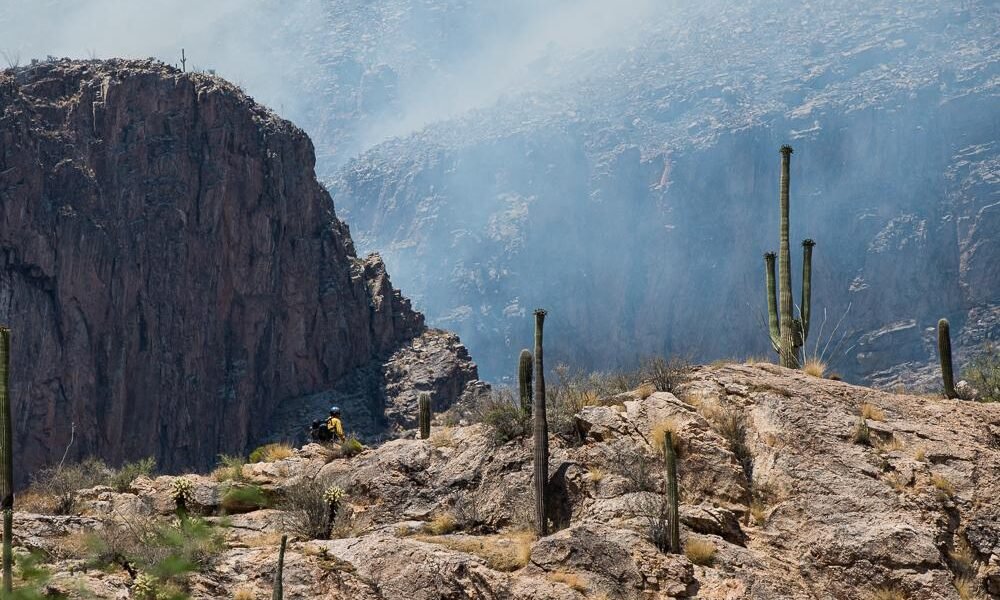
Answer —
(540, 431)
(788, 334)
(524, 374)
(424, 402)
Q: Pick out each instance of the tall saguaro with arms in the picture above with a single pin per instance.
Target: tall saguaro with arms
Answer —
(788, 333)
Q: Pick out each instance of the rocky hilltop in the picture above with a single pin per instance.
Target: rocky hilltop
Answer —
(781, 497)
(176, 280)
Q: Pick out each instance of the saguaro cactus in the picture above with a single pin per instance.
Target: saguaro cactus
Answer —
(425, 415)
(788, 334)
(541, 431)
(524, 372)
(673, 510)
(6, 458)
(944, 352)
(279, 591)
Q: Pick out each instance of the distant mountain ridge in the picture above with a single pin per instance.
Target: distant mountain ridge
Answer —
(633, 191)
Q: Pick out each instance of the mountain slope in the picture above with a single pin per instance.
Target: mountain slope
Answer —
(173, 274)
(633, 186)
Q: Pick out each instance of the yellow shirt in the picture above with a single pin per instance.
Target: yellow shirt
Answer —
(335, 427)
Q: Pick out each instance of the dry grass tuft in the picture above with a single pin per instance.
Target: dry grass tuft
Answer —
(814, 367)
(897, 482)
(756, 360)
(36, 502)
(442, 524)
(245, 593)
(888, 593)
(571, 579)
(501, 552)
(659, 433)
(758, 512)
(963, 558)
(893, 444)
(920, 454)
(595, 474)
(967, 588)
(276, 452)
(700, 552)
(443, 438)
(944, 487)
(870, 411)
(645, 390)
(264, 540)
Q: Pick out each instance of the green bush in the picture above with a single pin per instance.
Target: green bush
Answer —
(983, 374)
(504, 418)
(351, 446)
(121, 480)
(243, 498)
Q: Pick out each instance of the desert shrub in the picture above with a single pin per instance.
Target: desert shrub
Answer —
(983, 374)
(271, 452)
(230, 468)
(862, 434)
(635, 468)
(351, 446)
(888, 593)
(62, 483)
(503, 416)
(243, 498)
(307, 508)
(731, 424)
(665, 374)
(121, 479)
(165, 552)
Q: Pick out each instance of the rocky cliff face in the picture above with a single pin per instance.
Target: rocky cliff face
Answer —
(785, 504)
(174, 276)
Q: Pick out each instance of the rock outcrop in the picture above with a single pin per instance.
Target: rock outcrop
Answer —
(783, 499)
(174, 275)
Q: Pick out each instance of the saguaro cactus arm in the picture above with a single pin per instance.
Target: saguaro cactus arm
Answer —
(6, 459)
(807, 253)
(540, 432)
(944, 352)
(524, 375)
(774, 328)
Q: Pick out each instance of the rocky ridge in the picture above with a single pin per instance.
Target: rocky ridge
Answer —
(794, 506)
(174, 275)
